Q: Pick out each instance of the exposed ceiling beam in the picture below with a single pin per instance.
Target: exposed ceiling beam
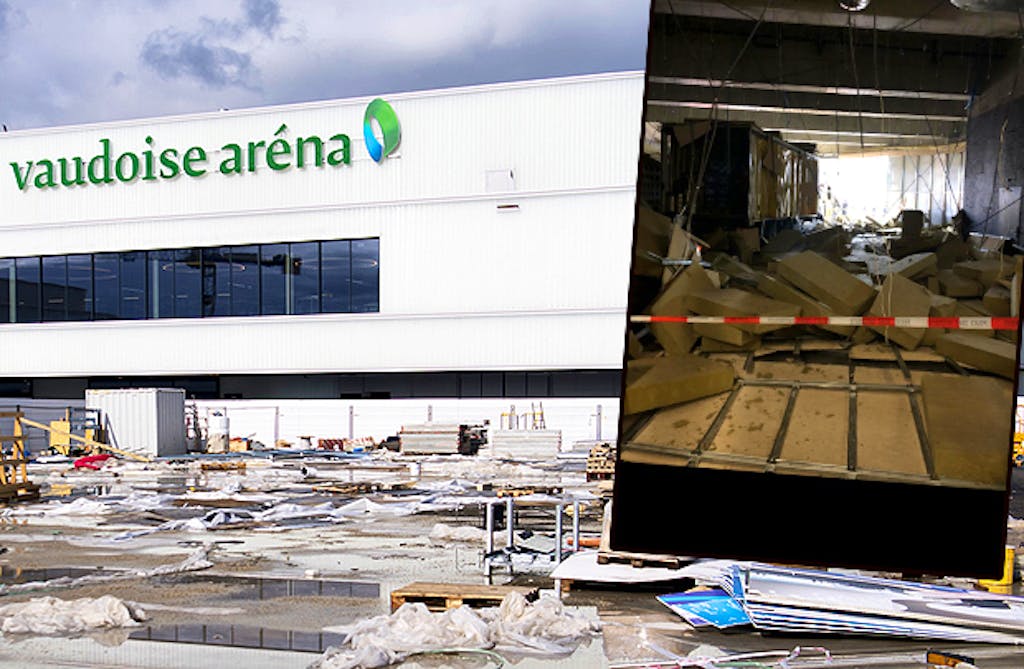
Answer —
(829, 135)
(737, 107)
(919, 16)
(811, 103)
(801, 88)
(815, 59)
(845, 125)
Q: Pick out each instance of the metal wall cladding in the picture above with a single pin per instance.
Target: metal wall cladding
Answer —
(498, 340)
(147, 421)
(465, 282)
(554, 135)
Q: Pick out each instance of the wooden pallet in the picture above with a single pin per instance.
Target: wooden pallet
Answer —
(521, 491)
(347, 488)
(225, 466)
(19, 492)
(601, 463)
(60, 489)
(642, 559)
(443, 596)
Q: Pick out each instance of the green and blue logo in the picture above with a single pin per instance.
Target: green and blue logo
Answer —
(391, 132)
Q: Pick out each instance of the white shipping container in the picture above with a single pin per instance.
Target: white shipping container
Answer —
(146, 421)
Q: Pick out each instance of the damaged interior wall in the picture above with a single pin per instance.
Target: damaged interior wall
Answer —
(995, 154)
(932, 182)
(853, 188)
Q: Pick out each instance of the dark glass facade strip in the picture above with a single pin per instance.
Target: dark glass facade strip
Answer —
(312, 277)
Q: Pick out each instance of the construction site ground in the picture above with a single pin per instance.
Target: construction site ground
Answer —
(276, 588)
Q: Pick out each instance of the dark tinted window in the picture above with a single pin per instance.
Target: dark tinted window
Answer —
(55, 286)
(365, 275)
(304, 278)
(79, 287)
(217, 282)
(335, 276)
(336, 272)
(188, 286)
(8, 292)
(133, 284)
(245, 280)
(106, 285)
(272, 278)
(27, 271)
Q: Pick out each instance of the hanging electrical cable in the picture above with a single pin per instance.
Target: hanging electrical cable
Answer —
(693, 192)
(856, 80)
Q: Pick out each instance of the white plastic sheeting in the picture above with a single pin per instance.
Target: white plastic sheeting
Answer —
(544, 627)
(443, 534)
(325, 512)
(53, 616)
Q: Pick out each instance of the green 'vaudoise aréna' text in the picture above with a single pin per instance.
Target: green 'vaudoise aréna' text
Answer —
(107, 166)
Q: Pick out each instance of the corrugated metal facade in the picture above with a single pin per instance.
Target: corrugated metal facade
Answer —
(147, 421)
(464, 284)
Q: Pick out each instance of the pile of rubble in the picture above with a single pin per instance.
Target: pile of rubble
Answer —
(925, 274)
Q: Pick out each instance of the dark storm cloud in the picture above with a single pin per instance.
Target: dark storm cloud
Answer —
(579, 37)
(263, 15)
(162, 57)
(174, 54)
(205, 54)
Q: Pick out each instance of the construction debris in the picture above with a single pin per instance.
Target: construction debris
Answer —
(954, 284)
(735, 302)
(794, 404)
(661, 382)
(545, 627)
(804, 601)
(677, 340)
(53, 616)
(827, 282)
(984, 353)
(899, 296)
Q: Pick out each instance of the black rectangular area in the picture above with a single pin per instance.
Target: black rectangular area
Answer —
(808, 520)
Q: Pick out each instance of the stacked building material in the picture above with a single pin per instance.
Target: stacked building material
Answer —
(805, 601)
(525, 444)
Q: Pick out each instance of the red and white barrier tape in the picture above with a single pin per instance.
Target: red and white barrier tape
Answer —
(947, 323)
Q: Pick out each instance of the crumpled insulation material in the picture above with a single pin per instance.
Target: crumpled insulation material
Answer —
(53, 616)
(441, 534)
(544, 627)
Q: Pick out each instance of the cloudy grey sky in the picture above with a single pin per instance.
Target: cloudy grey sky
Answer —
(79, 61)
